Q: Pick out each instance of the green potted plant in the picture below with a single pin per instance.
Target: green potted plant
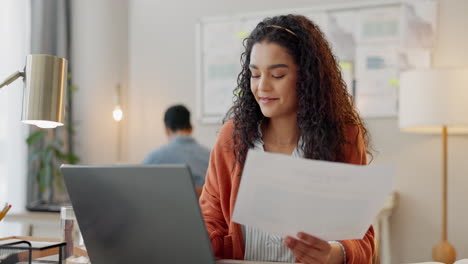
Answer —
(48, 150)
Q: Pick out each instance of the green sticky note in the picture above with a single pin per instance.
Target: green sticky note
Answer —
(242, 34)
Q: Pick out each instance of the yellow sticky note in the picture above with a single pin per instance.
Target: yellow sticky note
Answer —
(237, 92)
(346, 65)
(242, 34)
(394, 82)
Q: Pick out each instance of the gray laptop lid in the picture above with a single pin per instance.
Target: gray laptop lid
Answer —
(138, 214)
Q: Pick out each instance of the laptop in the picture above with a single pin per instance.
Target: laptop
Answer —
(138, 214)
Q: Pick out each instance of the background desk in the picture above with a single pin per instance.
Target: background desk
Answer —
(38, 224)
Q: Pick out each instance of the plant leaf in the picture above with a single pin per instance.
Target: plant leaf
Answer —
(56, 144)
(59, 180)
(48, 157)
(71, 158)
(44, 177)
(36, 136)
(37, 155)
(73, 88)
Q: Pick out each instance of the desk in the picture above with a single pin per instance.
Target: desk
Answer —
(230, 261)
(38, 224)
(223, 261)
(43, 224)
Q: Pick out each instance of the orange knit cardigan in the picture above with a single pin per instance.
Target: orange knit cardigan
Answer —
(220, 190)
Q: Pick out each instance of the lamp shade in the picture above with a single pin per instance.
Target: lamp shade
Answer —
(433, 98)
(45, 88)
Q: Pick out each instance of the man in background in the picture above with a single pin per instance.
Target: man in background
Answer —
(182, 147)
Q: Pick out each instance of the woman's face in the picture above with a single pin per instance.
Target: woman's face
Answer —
(273, 80)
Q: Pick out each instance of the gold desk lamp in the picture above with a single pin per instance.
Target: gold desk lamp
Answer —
(45, 88)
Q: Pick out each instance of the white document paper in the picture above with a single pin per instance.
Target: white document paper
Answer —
(329, 200)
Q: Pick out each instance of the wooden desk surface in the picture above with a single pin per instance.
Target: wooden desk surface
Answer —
(231, 261)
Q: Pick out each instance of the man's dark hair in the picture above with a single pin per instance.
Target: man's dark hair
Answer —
(177, 118)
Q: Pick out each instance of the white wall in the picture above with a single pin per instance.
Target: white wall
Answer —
(99, 64)
(161, 50)
(14, 47)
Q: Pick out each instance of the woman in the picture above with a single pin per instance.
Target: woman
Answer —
(291, 99)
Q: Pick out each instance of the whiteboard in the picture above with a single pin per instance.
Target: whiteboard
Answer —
(372, 40)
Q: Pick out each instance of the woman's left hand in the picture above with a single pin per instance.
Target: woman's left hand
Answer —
(309, 249)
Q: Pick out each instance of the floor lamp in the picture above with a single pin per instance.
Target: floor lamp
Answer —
(45, 88)
(435, 101)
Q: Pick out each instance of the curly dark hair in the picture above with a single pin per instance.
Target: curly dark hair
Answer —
(325, 107)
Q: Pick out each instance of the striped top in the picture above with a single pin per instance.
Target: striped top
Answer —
(264, 246)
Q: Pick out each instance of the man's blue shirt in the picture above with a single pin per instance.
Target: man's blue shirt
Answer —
(183, 150)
